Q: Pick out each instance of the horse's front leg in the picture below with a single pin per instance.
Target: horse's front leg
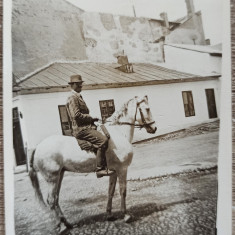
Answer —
(112, 185)
(122, 184)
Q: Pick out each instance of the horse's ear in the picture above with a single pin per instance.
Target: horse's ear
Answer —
(146, 97)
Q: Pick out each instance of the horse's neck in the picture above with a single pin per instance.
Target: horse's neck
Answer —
(128, 129)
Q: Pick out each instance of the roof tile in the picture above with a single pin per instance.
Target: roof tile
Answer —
(58, 74)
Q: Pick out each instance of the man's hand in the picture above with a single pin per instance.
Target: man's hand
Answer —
(95, 119)
(86, 146)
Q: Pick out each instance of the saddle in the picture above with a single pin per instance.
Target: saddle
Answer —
(89, 147)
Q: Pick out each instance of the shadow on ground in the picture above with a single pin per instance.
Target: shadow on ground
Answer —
(136, 213)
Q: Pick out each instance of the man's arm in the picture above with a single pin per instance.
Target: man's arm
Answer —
(74, 109)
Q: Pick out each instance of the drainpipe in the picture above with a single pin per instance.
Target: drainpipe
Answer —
(133, 8)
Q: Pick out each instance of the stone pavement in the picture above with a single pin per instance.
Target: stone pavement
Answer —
(183, 154)
(191, 149)
(184, 204)
(161, 207)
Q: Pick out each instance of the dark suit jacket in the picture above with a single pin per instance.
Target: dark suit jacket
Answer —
(78, 113)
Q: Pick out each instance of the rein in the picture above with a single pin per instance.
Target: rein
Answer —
(136, 125)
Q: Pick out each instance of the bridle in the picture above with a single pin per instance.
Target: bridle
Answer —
(145, 123)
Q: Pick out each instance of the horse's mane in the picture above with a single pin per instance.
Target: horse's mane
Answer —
(119, 113)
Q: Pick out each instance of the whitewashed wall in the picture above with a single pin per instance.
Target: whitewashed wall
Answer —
(41, 115)
(191, 61)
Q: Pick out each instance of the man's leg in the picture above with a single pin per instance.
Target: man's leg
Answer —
(101, 141)
(100, 164)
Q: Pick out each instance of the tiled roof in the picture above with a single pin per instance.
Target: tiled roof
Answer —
(96, 74)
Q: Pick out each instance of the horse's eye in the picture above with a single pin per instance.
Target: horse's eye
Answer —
(148, 109)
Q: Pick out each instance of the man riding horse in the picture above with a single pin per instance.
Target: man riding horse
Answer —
(84, 129)
(57, 153)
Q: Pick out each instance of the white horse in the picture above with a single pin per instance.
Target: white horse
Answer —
(57, 154)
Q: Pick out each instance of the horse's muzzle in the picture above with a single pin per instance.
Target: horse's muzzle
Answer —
(152, 130)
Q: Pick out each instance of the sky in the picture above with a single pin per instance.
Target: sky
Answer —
(211, 11)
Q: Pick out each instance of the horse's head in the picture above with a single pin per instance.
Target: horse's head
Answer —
(144, 115)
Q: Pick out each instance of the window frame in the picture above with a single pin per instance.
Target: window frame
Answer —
(105, 107)
(189, 109)
(69, 131)
(211, 101)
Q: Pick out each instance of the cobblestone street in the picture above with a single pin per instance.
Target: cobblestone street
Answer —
(183, 204)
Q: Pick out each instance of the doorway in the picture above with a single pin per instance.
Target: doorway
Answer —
(210, 96)
(18, 140)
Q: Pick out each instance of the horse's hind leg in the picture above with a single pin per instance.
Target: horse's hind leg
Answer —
(112, 185)
(54, 185)
(58, 209)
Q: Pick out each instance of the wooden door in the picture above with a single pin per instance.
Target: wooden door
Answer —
(18, 140)
(210, 96)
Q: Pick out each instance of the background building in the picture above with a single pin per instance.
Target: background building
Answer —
(197, 59)
(177, 99)
(49, 31)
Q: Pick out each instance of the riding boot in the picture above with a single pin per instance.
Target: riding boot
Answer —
(101, 165)
(99, 161)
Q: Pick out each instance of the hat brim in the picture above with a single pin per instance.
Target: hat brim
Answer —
(75, 82)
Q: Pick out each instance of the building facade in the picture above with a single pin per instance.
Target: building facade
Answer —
(177, 100)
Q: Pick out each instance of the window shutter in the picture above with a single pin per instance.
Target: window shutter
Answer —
(107, 108)
(188, 103)
(64, 120)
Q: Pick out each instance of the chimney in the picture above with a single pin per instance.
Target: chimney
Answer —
(163, 15)
(190, 7)
(125, 67)
(122, 59)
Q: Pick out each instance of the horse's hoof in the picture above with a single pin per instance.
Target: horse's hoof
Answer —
(66, 223)
(110, 217)
(127, 218)
(65, 232)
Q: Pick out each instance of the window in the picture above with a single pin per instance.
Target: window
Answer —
(107, 108)
(15, 114)
(188, 103)
(18, 143)
(64, 119)
(210, 96)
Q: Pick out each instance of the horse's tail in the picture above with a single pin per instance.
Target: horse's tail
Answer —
(34, 180)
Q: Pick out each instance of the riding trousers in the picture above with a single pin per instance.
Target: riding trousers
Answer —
(93, 136)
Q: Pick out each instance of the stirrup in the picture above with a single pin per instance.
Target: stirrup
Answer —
(104, 172)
